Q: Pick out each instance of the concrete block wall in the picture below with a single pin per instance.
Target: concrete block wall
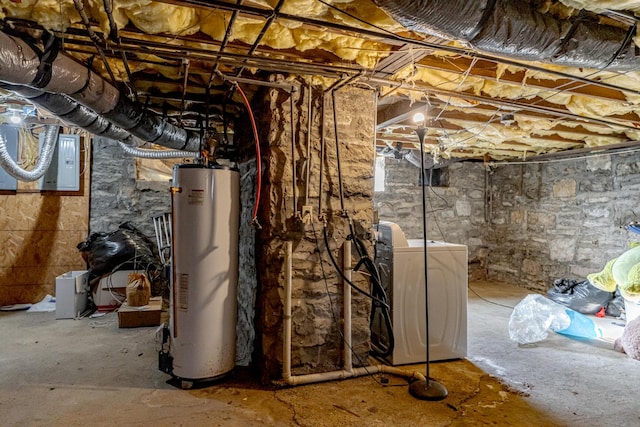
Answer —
(317, 287)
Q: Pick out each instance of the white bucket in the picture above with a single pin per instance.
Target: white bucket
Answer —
(631, 309)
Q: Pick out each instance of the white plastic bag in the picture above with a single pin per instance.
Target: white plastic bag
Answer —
(532, 318)
(535, 315)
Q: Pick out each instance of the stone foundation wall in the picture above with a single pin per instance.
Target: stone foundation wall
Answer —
(543, 221)
(455, 213)
(117, 197)
(317, 287)
(561, 220)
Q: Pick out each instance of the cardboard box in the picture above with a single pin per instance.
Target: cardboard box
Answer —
(134, 317)
(71, 294)
(111, 290)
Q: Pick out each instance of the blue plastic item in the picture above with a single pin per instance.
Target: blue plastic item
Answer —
(580, 326)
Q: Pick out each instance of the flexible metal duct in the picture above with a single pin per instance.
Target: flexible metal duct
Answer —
(413, 157)
(514, 28)
(154, 154)
(57, 73)
(44, 160)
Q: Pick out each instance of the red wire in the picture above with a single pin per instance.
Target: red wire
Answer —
(259, 164)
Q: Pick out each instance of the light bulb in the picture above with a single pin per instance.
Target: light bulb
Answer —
(15, 119)
(418, 118)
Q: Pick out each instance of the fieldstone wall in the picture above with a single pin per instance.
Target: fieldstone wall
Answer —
(540, 222)
(455, 213)
(561, 220)
(317, 287)
(117, 197)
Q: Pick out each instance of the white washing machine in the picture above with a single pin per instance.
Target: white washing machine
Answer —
(401, 267)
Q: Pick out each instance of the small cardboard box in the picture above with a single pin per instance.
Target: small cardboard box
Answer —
(71, 294)
(110, 292)
(134, 317)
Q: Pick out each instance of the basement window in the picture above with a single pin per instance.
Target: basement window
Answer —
(434, 177)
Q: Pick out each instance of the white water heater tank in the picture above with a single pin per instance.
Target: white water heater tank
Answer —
(205, 221)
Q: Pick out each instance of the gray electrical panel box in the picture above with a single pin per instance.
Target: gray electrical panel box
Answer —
(64, 172)
(10, 133)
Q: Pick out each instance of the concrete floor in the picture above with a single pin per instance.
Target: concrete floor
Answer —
(89, 372)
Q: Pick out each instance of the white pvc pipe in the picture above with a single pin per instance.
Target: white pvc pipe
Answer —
(286, 357)
(346, 303)
(348, 371)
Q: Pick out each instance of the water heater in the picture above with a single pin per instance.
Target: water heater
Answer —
(204, 277)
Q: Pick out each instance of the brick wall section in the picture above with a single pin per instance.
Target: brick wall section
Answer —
(317, 288)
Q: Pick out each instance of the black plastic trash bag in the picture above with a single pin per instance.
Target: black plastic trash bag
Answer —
(127, 248)
(580, 296)
(615, 308)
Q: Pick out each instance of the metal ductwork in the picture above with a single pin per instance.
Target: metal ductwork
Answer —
(78, 115)
(413, 157)
(56, 73)
(72, 112)
(44, 159)
(516, 29)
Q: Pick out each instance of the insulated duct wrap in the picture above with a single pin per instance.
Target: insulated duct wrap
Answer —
(17, 68)
(70, 77)
(44, 159)
(70, 111)
(21, 65)
(517, 29)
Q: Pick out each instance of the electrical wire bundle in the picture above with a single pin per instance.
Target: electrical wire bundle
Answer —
(378, 295)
